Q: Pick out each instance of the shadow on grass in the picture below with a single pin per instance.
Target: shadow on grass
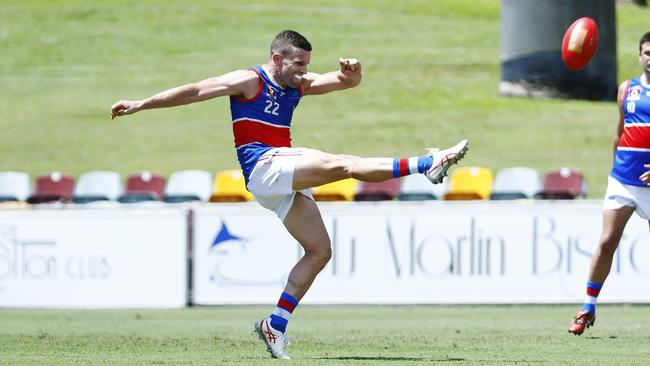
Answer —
(383, 358)
(417, 359)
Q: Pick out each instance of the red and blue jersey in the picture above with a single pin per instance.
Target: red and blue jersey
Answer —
(262, 122)
(633, 148)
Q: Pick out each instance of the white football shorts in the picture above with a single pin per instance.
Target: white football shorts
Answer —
(271, 180)
(619, 195)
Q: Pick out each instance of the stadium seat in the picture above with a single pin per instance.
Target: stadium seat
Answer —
(13, 204)
(515, 183)
(98, 186)
(379, 191)
(417, 187)
(564, 183)
(470, 183)
(343, 190)
(54, 187)
(14, 186)
(143, 187)
(188, 185)
(230, 186)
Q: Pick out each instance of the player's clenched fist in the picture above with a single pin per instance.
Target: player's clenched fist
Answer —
(350, 65)
(124, 107)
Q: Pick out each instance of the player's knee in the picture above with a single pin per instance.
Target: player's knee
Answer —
(322, 252)
(326, 255)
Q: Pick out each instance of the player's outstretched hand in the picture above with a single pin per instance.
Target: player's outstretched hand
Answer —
(124, 107)
(350, 66)
(645, 177)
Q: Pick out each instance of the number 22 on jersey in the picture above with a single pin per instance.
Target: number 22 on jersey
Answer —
(271, 107)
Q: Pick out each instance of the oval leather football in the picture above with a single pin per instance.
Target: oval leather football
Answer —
(580, 43)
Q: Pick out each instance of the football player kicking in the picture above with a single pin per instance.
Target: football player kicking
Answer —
(262, 101)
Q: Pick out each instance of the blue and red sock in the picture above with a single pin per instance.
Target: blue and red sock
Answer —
(593, 290)
(282, 313)
(407, 166)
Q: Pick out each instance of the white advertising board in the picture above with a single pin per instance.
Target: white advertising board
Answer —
(434, 252)
(93, 258)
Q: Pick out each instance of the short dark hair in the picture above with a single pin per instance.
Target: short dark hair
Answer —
(645, 38)
(282, 42)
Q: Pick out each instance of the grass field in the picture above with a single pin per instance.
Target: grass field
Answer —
(431, 71)
(338, 335)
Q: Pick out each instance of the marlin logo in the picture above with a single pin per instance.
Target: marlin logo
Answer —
(229, 253)
(223, 236)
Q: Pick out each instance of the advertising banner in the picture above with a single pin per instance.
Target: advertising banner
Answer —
(415, 252)
(93, 258)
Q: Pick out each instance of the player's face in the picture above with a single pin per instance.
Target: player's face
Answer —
(294, 66)
(644, 56)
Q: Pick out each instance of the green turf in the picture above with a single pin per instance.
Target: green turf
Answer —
(359, 335)
(431, 71)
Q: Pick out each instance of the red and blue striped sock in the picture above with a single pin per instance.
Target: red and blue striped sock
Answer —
(407, 166)
(593, 289)
(282, 313)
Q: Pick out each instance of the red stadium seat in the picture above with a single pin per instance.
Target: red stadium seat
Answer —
(381, 191)
(54, 187)
(565, 183)
(144, 186)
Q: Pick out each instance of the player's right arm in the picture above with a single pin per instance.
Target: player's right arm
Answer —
(240, 82)
(621, 113)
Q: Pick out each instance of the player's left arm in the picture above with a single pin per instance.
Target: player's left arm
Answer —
(620, 98)
(348, 76)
